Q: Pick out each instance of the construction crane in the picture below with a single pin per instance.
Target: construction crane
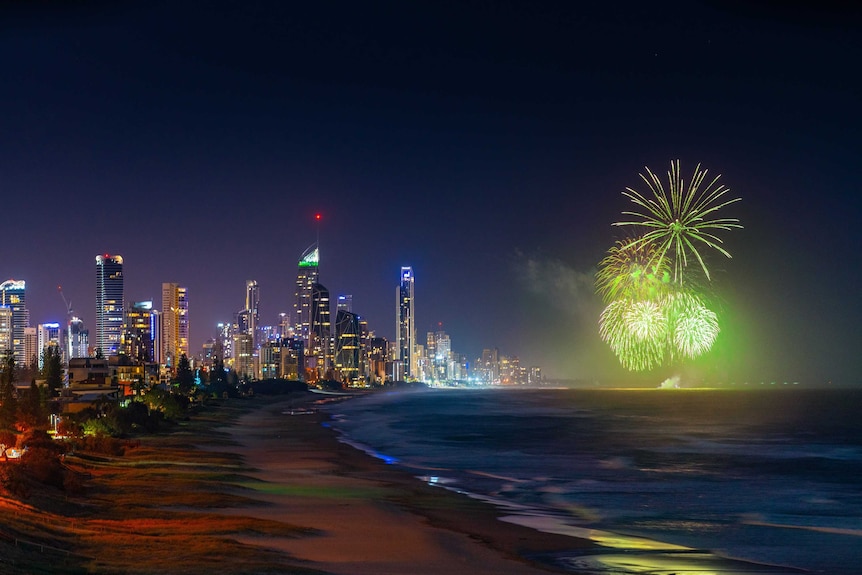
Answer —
(69, 313)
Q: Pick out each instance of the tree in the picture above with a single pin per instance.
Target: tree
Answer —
(8, 401)
(218, 378)
(99, 353)
(52, 369)
(185, 377)
(33, 408)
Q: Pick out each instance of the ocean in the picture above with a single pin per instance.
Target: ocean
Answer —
(664, 481)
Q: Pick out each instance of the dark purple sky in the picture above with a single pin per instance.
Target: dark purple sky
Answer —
(483, 143)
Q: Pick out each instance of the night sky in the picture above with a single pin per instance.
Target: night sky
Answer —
(484, 143)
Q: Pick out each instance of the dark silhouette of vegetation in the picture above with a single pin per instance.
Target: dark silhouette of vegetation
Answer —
(8, 400)
(31, 407)
(185, 378)
(330, 385)
(52, 369)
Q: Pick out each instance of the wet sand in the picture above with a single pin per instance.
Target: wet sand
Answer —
(370, 517)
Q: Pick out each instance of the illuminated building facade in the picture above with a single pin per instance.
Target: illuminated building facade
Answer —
(77, 339)
(175, 324)
(319, 350)
(223, 349)
(13, 294)
(31, 345)
(344, 302)
(137, 342)
(49, 335)
(243, 355)
(405, 330)
(378, 356)
(5, 328)
(306, 276)
(441, 361)
(252, 306)
(347, 347)
(109, 303)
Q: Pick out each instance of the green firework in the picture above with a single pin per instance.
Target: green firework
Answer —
(695, 326)
(656, 310)
(631, 271)
(640, 348)
(681, 219)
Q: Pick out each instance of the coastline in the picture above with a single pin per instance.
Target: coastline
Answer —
(370, 517)
(264, 486)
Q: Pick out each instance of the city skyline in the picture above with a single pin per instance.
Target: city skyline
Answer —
(486, 146)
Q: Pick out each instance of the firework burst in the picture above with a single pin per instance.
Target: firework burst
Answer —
(636, 332)
(695, 326)
(631, 271)
(653, 313)
(680, 220)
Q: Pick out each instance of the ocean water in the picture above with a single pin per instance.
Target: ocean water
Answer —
(664, 481)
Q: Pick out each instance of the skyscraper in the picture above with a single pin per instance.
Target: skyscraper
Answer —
(137, 341)
(306, 276)
(13, 294)
(319, 349)
(109, 303)
(347, 348)
(405, 330)
(175, 323)
(49, 334)
(5, 328)
(252, 305)
(78, 339)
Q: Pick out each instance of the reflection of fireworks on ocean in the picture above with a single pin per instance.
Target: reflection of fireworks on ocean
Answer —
(680, 220)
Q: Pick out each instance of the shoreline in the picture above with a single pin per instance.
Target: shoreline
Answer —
(264, 485)
(371, 517)
(553, 545)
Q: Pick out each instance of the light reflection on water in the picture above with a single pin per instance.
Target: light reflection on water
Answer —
(767, 476)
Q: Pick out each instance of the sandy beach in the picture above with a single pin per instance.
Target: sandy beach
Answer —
(369, 517)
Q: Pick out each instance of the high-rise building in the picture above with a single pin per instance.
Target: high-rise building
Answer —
(109, 303)
(344, 302)
(5, 328)
(137, 342)
(347, 347)
(175, 323)
(405, 330)
(378, 356)
(78, 339)
(319, 350)
(252, 305)
(442, 357)
(224, 342)
(31, 346)
(157, 333)
(49, 335)
(13, 294)
(243, 357)
(306, 276)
